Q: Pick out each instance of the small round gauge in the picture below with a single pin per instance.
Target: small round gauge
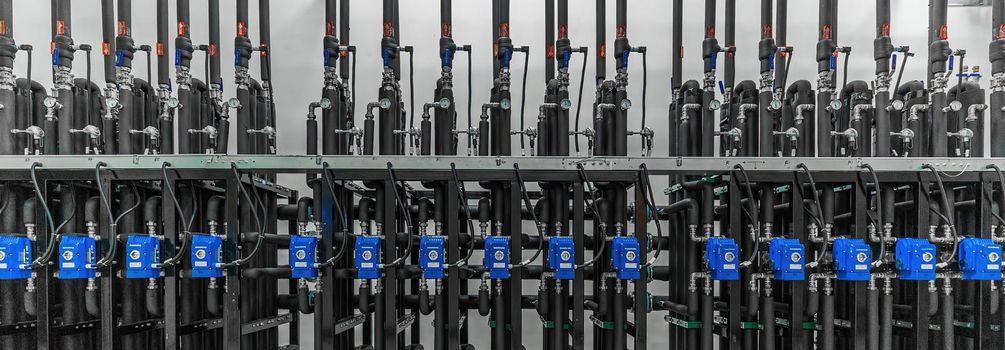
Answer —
(566, 256)
(385, 104)
(135, 254)
(897, 105)
(729, 256)
(49, 102)
(3, 256)
(200, 254)
(172, 102)
(630, 256)
(111, 103)
(565, 104)
(499, 255)
(505, 104)
(444, 103)
(796, 257)
(836, 105)
(626, 104)
(861, 257)
(367, 255)
(714, 105)
(301, 254)
(325, 103)
(433, 255)
(234, 103)
(993, 257)
(955, 106)
(927, 257)
(775, 105)
(68, 255)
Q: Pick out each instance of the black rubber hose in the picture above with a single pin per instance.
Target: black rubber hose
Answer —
(364, 299)
(91, 302)
(153, 301)
(29, 303)
(827, 323)
(213, 300)
(872, 337)
(948, 326)
(886, 322)
(542, 301)
(424, 307)
(303, 209)
(304, 304)
(767, 322)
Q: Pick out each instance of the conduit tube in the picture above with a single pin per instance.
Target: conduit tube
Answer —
(996, 53)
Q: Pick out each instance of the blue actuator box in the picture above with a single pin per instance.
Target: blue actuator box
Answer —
(980, 259)
(915, 259)
(15, 258)
(722, 255)
(367, 257)
(625, 258)
(143, 257)
(206, 256)
(562, 257)
(77, 256)
(496, 258)
(851, 259)
(787, 259)
(431, 253)
(303, 256)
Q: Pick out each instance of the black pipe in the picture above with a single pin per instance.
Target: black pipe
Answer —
(872, 336)
(825, 59)
(827, 322)
(304, 304)
(601, 60)
(948, 324)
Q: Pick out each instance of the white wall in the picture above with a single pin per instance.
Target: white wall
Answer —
(298, 27)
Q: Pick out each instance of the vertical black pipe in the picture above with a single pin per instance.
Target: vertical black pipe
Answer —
(601, 41)
(938, 54)
(108, 39)
(996, 53)
(827, 36)
(549, 40)
(63, 50)
(883, 50)
(129, 120)
(8, 52)
(187, 118)
(242, 53)
(710, 51)
(215, 77)
(766, 50)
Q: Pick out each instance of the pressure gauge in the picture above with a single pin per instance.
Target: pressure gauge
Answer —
(565, 104)
(325, 103)
(172, 103)
(775, 105)
(896, 105)
(927, 257)
(385, 104)
(836, 105)
(234, 103)
(49, 102)
(955, 106)
(796, 257)
(111, 103)
(505, 104)
(626, 104)
(444, 103)
(714, 105)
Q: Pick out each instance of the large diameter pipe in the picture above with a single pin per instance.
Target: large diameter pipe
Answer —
(996, 53)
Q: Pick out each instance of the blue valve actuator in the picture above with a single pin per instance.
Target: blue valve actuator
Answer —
(367, 257)
(562, 257)
(303, 256)
(143, 257)
(851, 259)
(722, 255)
(15, 258)
(206, 255)
(431, 254)
(496, 258)
(915, 259)
(77, 258)
(980, 259)
(787, 259)
(625, 258)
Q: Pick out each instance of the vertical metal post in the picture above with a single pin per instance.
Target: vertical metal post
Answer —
(110, 293)
(452, 323)
(859, 305)
(232, 288)
(515, 230)
(641, 302)
(579, 284)
(171, 274)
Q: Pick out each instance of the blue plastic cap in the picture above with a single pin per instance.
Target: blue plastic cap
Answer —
(496, 258)
(771, 62)
(303, 256)
(77, 258)
(55, 56)
(566, 57)
(851, 259)
(713, 60)
(386, 55)
(893, 62)
(119, 57)
(833, 61)
(445, 57)
(952, 62)
(143, 257)
(327, 56)
(237, 57)
(431, 256)
(177, 57)
(722, 87)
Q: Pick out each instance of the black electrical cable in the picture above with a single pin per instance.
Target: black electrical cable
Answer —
(579, 101)
(523, 97)
(533, 215)
(602, 235)
(325, 173)
(53, 236)
(788, 68)
(254, 212)
(411, 88)
(6, 198)
(863, 186)
(903, 67)
(645, 84)
(654, 213)
(470, 91)
(404, 213)
(112, 220)
(752, 217)
(187, 233)
(267, 61)
(462, 195)
(845, 72)
(948, 215)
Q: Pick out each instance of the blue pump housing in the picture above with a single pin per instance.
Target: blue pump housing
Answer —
(77, 258)
(207, 256)
(143, 257)
(787, 259)
(15, 258)
(625, 256)
(980, 259)
(722, 255)
(367, 257)
(497, 257)
(431, 254)
(851, 259)
(562, 257)
(915, 259)
(303, 256)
